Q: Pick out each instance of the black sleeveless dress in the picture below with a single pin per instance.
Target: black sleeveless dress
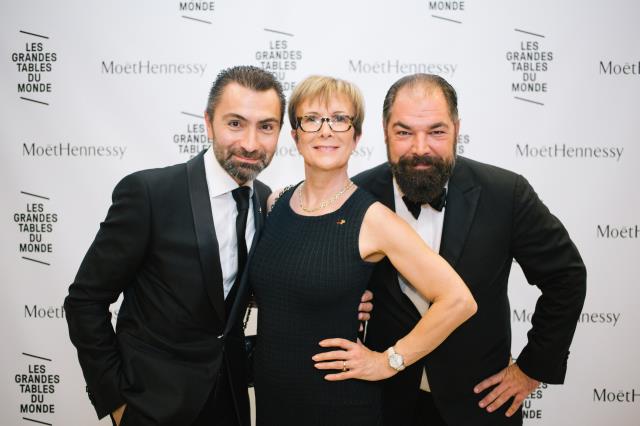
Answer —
(308, 277)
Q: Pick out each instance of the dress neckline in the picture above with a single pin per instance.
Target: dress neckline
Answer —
(336, 211)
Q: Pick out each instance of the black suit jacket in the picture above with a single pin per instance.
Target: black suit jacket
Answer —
(158, 246)
(492, 217)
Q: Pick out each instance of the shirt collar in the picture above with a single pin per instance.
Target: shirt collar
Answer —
(219, 181)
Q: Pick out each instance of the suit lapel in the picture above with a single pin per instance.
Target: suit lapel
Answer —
(206, 234)
(462, 200)
(258, 212)
(382, 189)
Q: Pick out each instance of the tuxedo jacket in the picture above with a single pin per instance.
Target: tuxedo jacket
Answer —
(158, 247)
(492, 217)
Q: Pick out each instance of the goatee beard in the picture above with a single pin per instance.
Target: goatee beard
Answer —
(422, 185)
(242, 172)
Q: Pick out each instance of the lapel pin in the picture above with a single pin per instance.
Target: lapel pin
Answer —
(341, 222)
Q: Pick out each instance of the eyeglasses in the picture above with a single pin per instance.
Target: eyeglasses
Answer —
(313, 123)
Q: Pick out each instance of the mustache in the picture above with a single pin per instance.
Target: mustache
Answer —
(421, 185)
(418, 160)
(252, 155)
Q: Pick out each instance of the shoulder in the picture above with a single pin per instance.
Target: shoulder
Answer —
(262, 191)
(383, 231)
(491, 178)
(381, 220)
(157, 175)
(273, 197)
(483, 171)
(379, 212)
(154, 183)
(503, 190)
(262, 188)
(366, 178)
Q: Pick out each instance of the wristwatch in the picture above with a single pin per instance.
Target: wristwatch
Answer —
(396, 361)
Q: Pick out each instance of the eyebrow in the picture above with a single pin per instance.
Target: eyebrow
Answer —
(234, 115)
(339, 112)
(439, 124)
(433, 126)
(401, 124)
(240, 117)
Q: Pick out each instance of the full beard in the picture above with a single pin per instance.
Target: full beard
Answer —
(422, 185)
(241, 172)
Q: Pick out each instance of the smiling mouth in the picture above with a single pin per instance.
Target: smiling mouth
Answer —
(245, 159)
(422, 166)
(325, 148)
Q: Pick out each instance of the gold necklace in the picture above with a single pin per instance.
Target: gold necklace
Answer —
(323, 203)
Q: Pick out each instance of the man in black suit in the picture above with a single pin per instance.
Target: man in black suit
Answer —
(169, 244)
(479, 218)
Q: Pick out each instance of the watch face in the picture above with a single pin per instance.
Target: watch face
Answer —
(395, 361)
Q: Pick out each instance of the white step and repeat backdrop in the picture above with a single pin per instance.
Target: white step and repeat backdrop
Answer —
(92, 91)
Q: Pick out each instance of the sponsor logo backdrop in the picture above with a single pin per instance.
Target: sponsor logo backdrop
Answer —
(91, 92)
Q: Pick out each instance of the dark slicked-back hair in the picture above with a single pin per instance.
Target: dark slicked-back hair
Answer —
(429, 82)
(248, 76)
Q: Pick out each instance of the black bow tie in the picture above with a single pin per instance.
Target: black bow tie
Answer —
(437, 203)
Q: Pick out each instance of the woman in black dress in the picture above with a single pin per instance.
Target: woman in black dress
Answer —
(316, 254)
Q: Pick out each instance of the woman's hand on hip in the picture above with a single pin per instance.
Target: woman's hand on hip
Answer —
(352, 360)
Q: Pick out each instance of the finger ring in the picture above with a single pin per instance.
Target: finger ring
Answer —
(344, 365)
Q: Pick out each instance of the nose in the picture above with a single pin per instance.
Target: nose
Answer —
(325, 130)
(421, 144)
(250, 143)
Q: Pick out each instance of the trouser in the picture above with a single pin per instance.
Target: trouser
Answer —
(219, 410)
(426, 413)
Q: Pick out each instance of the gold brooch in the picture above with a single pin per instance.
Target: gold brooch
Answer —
(341, 222)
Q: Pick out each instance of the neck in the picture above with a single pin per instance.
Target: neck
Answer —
(322, 184)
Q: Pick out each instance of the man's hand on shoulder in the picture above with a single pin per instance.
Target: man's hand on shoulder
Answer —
(509, 383)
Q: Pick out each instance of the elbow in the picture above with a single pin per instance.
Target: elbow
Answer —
(583, 281)
(466, 306)
(459, 304)
(471, 306)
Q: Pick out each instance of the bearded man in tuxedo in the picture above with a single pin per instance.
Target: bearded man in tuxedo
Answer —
(480, 218)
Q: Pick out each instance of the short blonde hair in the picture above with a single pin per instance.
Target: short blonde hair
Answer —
(324, 88)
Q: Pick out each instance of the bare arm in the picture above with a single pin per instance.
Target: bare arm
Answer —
(385, 234)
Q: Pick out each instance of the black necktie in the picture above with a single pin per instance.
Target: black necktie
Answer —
(437, 203)
(241, 195)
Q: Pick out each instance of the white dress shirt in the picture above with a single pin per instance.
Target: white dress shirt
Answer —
(224, 210)
(429, 227)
